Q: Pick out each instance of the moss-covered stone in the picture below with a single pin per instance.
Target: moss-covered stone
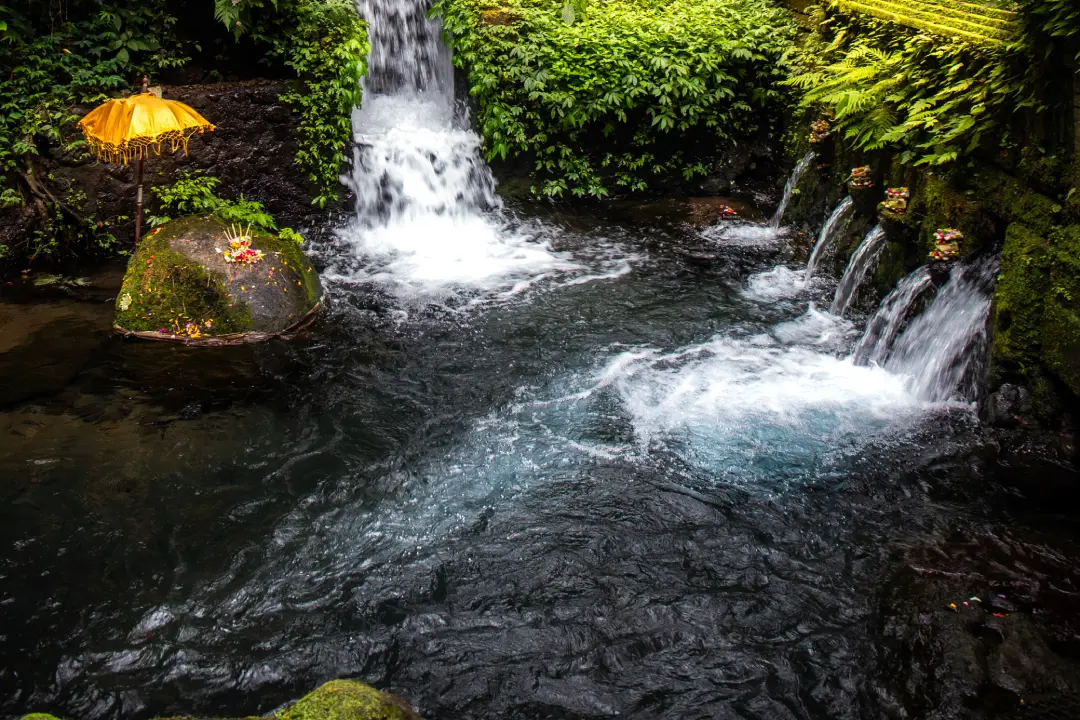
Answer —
(336, 700)
(178, 284)
(348, 700)
(1037, 307)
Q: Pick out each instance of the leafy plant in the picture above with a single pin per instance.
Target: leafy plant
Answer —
(621, 92)
(195, 194)
(936, 99)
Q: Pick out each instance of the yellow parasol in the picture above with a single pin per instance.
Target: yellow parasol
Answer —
(128, 128)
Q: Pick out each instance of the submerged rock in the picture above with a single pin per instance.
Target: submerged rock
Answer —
(180, 287)
(336, 700)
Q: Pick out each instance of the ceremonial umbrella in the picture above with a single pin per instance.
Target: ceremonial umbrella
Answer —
(127, 128)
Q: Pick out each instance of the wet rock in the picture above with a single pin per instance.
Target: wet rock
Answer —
(1008, 406)
(179, 286)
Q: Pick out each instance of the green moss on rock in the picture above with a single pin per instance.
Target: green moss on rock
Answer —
(336, 700)
(1037, 305)
(348, 700)
(178, 283)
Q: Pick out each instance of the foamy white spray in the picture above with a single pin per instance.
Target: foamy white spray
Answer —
(939, 347)
(428, 221)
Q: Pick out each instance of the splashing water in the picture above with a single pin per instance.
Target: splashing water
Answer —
(429, 224)
(889, 319)
(863, 260)
(937, 350)
(789, 190)
(829, 233)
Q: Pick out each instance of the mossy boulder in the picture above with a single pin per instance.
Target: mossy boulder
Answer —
(336, 700)
(348, 700)
(179, 286)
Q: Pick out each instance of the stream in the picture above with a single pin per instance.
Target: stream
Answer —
(534, 463)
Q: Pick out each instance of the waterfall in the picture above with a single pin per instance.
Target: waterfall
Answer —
(938, 347)
(828, 233)
(428, 220)
(863, 260)
(889, 319)
(789, 190)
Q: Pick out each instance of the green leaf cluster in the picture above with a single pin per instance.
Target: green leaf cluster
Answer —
(619, 92)
(194, 193)
(935, 99)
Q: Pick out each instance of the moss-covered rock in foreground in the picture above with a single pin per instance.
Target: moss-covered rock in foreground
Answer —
(336, 700)
(179, 286)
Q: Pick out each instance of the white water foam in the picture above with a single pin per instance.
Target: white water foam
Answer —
(429, 225)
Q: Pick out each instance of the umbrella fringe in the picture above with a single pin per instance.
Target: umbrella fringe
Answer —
(140, 148)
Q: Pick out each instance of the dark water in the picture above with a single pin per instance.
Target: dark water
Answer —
(646, 485)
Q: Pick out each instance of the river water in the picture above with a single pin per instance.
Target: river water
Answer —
(533, 464)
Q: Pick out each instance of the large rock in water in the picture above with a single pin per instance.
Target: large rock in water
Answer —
(336, 700)
(179, 287)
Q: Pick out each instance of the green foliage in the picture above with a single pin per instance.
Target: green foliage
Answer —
(195, 194)
(935, 99)
(622, 91)
(1054, 22)
(325, 43)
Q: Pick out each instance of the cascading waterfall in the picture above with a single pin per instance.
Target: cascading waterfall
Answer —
(889, 319)
(828, 233)
(428, 220)
(863, 260)
(937, 349)
(789, 190)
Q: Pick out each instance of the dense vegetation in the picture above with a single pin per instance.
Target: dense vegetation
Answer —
(935, 99)
(616, 94)
(55, 56)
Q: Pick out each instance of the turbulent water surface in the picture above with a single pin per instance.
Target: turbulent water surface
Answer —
(532, 465)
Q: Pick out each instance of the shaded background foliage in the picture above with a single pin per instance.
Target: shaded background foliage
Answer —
(57, 57)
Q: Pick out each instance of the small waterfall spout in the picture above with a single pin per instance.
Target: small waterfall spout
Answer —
(789, 190)
(889, 319)
(863, 260)
(949, 337)
(828, 233)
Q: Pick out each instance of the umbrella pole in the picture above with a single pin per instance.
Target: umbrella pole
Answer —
(138, 200)
(138, 180)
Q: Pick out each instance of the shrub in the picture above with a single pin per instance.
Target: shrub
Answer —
(619, 91)
(195, 194)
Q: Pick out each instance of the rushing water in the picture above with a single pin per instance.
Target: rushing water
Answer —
(829, 233)
(532, 465)
(862, 261)
(940, 347)
(890, 318)
(789, 190)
